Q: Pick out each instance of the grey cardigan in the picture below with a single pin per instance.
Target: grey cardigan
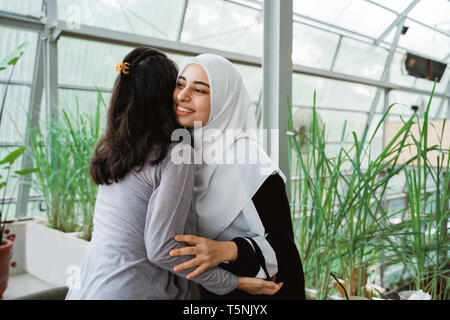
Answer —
(135, 221)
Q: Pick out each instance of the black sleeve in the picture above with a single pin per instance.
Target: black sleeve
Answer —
(273, 208)
(272, 204)
(249, 261)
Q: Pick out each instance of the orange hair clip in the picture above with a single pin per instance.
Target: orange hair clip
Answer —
(123, 67)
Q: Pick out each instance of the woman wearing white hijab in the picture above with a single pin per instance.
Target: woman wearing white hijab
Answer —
(240, 203)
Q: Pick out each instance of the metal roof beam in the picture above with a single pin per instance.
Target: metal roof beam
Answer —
(441, 105)
(400, 19)
(21, 21)
(182, 18)
(386, 71)
(34, 109)
(412, 19)
(338, 47)
(132, 40)
(360, 80)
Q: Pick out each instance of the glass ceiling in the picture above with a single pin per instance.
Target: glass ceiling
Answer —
(348, 37)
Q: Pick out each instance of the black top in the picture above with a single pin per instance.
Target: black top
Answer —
(272, 205)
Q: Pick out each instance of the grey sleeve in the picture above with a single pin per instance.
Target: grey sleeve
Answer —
(167, 214)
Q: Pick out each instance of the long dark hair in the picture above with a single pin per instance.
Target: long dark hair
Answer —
(140, 119)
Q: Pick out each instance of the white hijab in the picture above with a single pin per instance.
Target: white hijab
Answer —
(221, 191)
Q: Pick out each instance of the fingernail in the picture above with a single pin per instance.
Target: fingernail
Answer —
(171, 253)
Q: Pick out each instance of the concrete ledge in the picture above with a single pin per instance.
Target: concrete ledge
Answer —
(24, 284)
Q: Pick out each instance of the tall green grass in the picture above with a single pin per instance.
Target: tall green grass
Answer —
(340, 219)
(427, 215)
(61, 151)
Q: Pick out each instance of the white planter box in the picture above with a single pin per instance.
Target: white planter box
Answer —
(50, 254)
(45, 253)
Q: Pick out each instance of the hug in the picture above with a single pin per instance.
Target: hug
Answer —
(195, 229)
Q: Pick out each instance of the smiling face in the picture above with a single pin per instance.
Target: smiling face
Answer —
(192, 96)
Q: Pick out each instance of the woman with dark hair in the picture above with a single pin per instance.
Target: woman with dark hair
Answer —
(143, 197)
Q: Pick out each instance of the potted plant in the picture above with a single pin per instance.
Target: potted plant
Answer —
(5, 257)
(6, 243)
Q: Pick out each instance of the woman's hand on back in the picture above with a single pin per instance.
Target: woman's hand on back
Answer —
(208, 253)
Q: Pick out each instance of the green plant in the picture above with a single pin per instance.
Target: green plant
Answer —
(6, 165)
(62, 155)
(9, 61)
(340, 219)
(427, 215)
(422, 233)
